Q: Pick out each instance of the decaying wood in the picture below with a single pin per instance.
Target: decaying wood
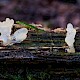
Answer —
(41, 52)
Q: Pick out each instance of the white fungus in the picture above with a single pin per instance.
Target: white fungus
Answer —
(70, 38)
(5, 30)
(19, 35)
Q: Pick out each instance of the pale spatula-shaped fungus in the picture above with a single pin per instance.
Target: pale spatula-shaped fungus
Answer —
(70, 38)
(19, 35)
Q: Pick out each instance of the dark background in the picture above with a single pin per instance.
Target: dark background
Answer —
(52, 13)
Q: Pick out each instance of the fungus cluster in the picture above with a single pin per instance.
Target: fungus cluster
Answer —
(6, 37)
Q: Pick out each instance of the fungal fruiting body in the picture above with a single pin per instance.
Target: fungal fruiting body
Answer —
(6, 37)
(70, 38)
(5, 30)
(19, 35)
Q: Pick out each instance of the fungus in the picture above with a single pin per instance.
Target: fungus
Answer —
(6, 37)
(71, 32)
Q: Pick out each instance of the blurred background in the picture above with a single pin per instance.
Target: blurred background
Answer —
(53, 13)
